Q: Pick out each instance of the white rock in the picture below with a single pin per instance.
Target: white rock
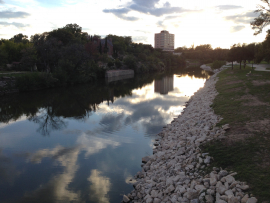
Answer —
(230, 179)
(220, 188)
(229, 192)
(125, 198)
(232, 199)
(200, 188)
(252, 200)
(149, 200)
(213, 181)
(244, 199)
(156, 200)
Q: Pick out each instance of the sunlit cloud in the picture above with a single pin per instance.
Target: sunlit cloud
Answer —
(237, 28)
(228, 7)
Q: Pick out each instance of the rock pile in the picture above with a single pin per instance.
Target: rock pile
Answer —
(174, 173)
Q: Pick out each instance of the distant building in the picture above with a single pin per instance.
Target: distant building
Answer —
(93, 46)
(165, 85)
(164, 40)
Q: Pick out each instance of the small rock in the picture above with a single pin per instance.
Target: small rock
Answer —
(125, 199)
(230, 179)
(145, 159)
(252, 200)
(149, 200)
(244, 199)
(156, 200)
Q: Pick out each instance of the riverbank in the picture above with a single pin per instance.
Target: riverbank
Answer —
(178, 170)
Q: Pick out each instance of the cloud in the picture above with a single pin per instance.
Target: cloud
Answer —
(161, 24)
(11, 14)
(228, 7)
(139, 38)
(18, 25)
(171, 17)
(146, 7)
(120, 13)
(242, 18)
(166, 9)
(237, 28)
(2, 2)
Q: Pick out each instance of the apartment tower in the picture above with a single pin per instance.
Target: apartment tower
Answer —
(164, 40)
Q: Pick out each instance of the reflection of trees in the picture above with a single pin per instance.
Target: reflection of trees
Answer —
(47, 121)
(75, 102)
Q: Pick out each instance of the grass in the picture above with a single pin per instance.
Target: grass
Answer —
(262, 62)
(245, 151)
(267, 68)
(14, 74)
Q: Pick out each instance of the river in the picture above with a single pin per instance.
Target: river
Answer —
(84, 143)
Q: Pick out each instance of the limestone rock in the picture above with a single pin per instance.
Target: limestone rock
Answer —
(125, 199)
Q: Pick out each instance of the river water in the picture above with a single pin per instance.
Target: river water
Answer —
(84, 143)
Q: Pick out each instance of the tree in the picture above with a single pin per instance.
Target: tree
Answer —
(63, 35)
(232, 54)
(106, 46)
(100, 47)
(74, 29)
(251, 52)
(20, 38)
(263, 19)
(29, 57)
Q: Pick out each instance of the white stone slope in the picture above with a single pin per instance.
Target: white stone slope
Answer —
(174, 173)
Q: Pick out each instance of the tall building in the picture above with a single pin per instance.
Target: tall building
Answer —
(164, 40)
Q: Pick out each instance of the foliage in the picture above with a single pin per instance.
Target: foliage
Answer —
(35, 81)
(204, 53)
(20, 38)
(263, 19)
(218, 64)
(130, 62)
(118, 63)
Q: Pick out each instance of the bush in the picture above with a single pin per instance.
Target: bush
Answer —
(218, 64)
(110, 64)
(118, 63)
(130, 62)
(35, 81)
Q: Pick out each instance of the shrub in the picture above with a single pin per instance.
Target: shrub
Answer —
(118, 63)
(218, 64)
(130, 62)
(35, 81)
(110, 64)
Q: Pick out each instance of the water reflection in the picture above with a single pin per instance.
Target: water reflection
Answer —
(100, 186)
(164, 85)
(93, 136)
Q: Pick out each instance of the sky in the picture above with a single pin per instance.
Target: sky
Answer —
(220, 23)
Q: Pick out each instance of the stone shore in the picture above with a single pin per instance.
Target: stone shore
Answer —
(175, 171)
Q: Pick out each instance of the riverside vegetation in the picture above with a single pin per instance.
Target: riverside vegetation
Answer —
(68, 56)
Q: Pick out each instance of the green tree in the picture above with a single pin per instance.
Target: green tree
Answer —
(263, 19)
(106, 46)
(63, 35)
(100, 47)
(20, 38)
